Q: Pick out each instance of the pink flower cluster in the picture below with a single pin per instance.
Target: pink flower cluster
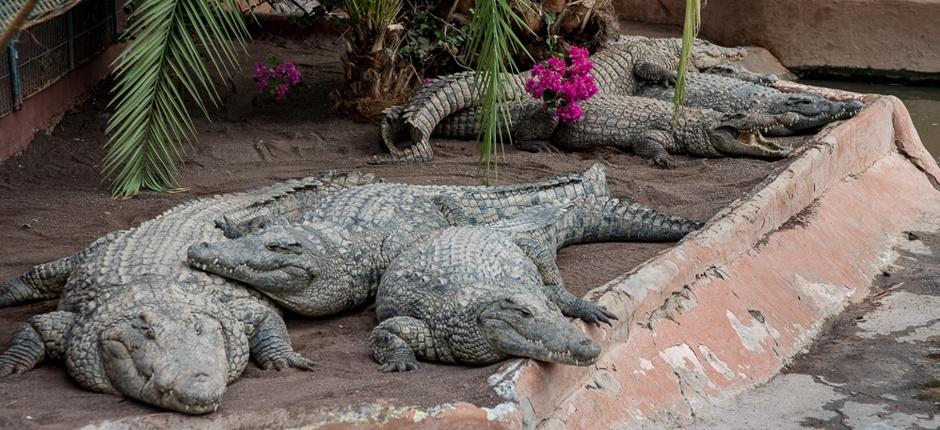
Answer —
(276, 76)
(562, 84)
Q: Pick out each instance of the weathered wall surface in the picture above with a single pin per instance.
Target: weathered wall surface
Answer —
(43, 110)
(871, 34)
(730, 305)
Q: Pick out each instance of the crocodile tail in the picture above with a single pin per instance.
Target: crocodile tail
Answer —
(433, 103)
(489, 204)
(610, 219)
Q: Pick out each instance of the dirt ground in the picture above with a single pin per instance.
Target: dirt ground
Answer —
(53, 202)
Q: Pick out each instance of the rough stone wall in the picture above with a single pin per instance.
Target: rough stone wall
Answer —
(884, 35)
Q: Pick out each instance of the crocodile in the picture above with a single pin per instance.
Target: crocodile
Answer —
(331, 260)
(480, 294)
(616, 71)
(731, 95)
(326, 264)
(135, 320)
(642, 125)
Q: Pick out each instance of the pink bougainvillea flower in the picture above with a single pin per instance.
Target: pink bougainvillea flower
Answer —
(561, 83)
(276, 77)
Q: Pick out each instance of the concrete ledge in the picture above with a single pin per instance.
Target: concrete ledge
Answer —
(726, 308)
(881, 35)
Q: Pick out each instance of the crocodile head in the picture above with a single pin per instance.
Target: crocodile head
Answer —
(740, 134)
(176, 360)
(812, 111)
(529, 325)
(311, 270)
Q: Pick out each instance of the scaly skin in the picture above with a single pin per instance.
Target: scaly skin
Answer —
(640, 125)
(135, 320)
(732, 95)
(477, 295)
(645, 127)
(616, 70)
(332, 260)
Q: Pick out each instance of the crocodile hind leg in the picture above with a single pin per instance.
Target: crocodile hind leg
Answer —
(396, 342)
(570, 305)
(652, 146)
(46, 280)
(43, 336)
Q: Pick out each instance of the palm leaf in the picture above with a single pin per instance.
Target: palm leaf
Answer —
(693, 20)
(164, 64)
(492, 39)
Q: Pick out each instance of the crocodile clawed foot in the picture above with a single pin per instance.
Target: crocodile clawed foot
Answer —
(537, 146)
(400, 366)
(664, 161)
(9, 369)
(288, 361)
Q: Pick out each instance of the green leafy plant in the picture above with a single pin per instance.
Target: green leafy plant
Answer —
(690, 28)
(492, 43)
(173, 46)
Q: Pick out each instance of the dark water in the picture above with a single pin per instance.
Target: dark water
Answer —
(922, 102)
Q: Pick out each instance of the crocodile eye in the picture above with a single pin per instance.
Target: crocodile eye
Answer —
(525, 312)
(285, 248)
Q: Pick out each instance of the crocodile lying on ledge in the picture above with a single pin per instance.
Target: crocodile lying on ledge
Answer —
(480, 294)
(640, 125)
(730, 95)
(332, 260)
(135, 320)
(617, 69)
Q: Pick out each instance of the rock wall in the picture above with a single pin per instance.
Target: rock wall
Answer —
(880, 35)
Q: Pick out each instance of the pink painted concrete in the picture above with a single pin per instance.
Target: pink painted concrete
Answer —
(867, 181)
(44, 110)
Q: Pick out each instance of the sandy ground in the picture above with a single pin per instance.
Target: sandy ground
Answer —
(874, 367)
(53, 202)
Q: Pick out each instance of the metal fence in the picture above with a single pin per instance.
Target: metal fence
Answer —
(44, 53)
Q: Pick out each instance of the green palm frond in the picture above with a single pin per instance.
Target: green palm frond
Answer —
(492, 39)
(173, 44)
(693, 21)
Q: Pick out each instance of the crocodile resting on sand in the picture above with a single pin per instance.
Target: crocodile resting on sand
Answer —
(617, 70)
(731, 95)
(640, 125)
(135, 319)
(635, 66)
(327, 264)
(480, 294)
(332, 260)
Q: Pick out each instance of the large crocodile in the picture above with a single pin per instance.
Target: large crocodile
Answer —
(136, 320)
(641, 125)
(616, 69)
(731, 95)
(480, 294)
(326, 264)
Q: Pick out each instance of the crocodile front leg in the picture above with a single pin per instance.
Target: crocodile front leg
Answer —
(43, 336)
(269, 344)
(396, 342)
(570, 305)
